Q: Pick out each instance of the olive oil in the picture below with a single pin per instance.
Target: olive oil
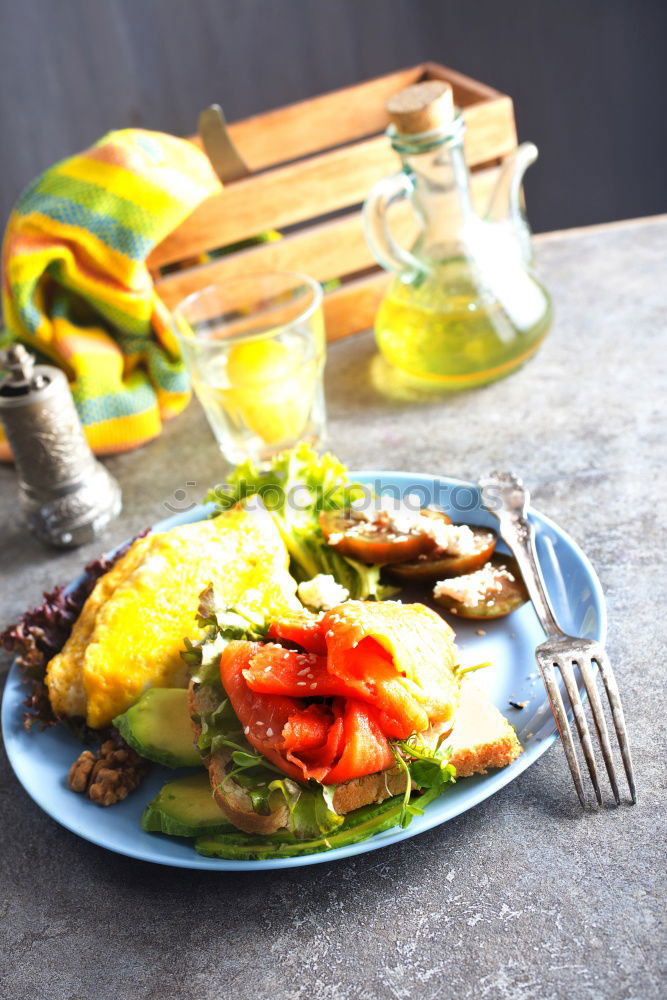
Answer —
(464, 307)
(451, 330)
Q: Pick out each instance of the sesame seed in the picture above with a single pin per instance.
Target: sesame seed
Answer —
(269, 732)
(302, 672)
(246, 730)
(313, 686)
(301, 684)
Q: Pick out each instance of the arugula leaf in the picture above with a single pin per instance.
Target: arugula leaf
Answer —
(426, 768)
(299, 485)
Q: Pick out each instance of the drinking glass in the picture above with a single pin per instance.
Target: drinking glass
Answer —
(255, 347)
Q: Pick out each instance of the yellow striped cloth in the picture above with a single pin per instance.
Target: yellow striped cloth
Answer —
(76, 289)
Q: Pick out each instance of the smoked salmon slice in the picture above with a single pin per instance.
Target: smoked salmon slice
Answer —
(303, 629)
(403, 653)
(371, 672)
(262, 716)
(366, 749)
(276, 670)
(314, 739)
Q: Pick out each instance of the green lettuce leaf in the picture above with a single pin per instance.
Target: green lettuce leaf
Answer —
(311, 810)
(299, 485)
(221, 624)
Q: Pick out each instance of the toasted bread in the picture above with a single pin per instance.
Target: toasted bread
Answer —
(481, 738)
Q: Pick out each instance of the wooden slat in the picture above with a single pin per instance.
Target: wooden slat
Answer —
(323, 251)
(490, 130)
(278, 198)
(338, 117)
(466, 89)
(327, 250)
(319, 123)
(352, 308)
(318, 185)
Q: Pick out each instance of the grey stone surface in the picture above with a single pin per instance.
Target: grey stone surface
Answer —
(524, 897)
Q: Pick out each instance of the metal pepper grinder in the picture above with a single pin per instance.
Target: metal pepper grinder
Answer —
(66, 495)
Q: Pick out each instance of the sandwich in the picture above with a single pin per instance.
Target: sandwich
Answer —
(324, 715)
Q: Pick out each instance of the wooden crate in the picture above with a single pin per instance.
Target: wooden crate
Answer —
(309, 160)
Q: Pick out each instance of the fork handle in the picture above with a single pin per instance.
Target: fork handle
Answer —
(519, 535)
(505, 496)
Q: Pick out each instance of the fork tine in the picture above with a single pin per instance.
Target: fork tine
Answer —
(600, 657)
(567, 672)
(600, 722)
(553, 691)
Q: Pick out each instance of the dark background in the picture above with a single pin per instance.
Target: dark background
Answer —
(588, 78)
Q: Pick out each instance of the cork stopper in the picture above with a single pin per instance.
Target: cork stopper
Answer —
(422, 107)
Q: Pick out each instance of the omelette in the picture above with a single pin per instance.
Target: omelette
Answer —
(130, 632)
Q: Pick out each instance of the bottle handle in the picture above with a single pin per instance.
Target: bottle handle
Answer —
(384, 248)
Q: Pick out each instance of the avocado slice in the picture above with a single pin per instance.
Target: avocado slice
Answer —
(158, 727)
(185, 808)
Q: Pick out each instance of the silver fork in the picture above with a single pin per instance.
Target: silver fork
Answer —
(504, 495)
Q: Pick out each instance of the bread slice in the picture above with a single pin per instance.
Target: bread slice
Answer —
(481, 738)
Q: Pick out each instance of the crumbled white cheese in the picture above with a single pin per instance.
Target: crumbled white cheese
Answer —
(455, 539)
(474, 588)
(322, 592)
(405, 517)
(385, 511)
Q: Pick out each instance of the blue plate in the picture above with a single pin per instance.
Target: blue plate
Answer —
(41, 759)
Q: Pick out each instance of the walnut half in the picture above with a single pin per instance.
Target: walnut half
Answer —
(108, 776)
